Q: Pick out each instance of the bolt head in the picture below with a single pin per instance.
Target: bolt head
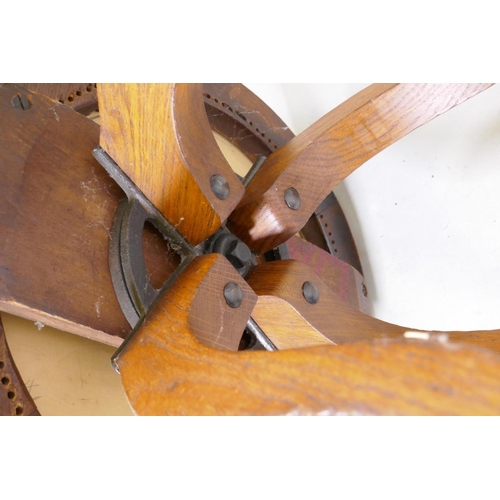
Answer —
(240, 252)
(220, 186)
(233, 294)
(234, 250)
(310, 292)
(21, 102)
(292, 198)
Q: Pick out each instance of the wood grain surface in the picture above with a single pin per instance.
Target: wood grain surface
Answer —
(290, 321)
(211, 320)
(56, 207)
(322, 156)
(49, 229)
(82, 97)
(254, 129)
(343, 280)
(245, 120)
(166, 371)
(160, 137)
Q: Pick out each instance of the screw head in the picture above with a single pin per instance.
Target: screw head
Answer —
(219, 186)
(292, 198)
(310, 292)
(21, 102)
(233, 294)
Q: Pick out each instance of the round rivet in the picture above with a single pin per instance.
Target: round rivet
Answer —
(233, 294)
(292, 198)
(219, 186)
(310, 292)
(21, 102)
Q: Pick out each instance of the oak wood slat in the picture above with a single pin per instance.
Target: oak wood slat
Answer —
(160, 137)
(249, 124)
(82, 97)
(213, 322)
(278, 286)
(318, 159)
(166, 371)
(56, 207)
(343, 280)
(483, 391)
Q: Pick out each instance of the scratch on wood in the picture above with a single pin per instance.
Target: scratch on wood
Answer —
(98, 306)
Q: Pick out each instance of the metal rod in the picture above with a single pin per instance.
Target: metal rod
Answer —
(261, 336)
(253, 170)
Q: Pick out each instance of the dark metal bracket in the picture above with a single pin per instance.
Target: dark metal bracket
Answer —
(133, 287)
(134, 290)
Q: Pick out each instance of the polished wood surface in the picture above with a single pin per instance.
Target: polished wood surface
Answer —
(166, 371)
(82, 97)
(196, 304)
(175, 364)
(254, 129)
(160, 136)
(278, 286)
(343, 280)
(57, 205)
(322, 156)
(212, 320)
(52, 240)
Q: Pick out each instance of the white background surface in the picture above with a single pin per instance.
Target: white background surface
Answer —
(425, 213)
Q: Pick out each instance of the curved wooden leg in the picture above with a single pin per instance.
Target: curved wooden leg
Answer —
(166, 371)
(319, 158)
